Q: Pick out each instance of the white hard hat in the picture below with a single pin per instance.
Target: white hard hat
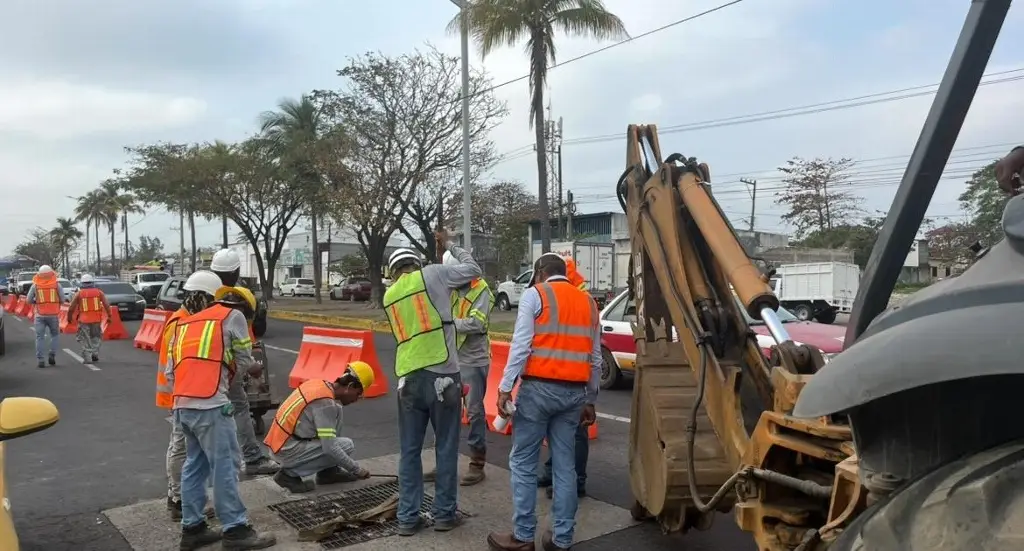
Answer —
(205, 281)
(45, 269)
(86, 278)
(448, 259)
(403, 254)
(226, 260)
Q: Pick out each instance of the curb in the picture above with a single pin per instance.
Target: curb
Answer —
(351, 323)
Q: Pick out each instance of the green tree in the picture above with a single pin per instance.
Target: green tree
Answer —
(984, 202)
(91, 210)
(65, 236)
(39, 246)
(817, 194)
(498, 23)
(148, 249)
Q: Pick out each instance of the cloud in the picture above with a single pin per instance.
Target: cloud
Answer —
(60, 110)
(645, 103)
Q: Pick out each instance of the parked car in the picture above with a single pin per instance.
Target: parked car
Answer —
(297, 286)
(619, 348)
(3, 286)
(19, 416)
(170, 296)
(148, 284)
(67, 289)
(129, 304)
(23, 283)
(353, 288)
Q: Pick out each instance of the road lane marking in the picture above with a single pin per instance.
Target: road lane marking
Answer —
(80, 360)
(280, 349)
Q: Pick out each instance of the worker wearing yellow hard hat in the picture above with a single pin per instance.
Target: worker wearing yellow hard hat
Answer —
(305, 435)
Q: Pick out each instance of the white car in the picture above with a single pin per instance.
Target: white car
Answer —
(297, 286)
(67, 289)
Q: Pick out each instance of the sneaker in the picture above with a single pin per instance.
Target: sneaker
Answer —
(293, 484)
(245, 537)
(196, 537)
(263, 466)
(447, 525)
(406, 530)
(95, 357)
(51, 359)
(334, 475)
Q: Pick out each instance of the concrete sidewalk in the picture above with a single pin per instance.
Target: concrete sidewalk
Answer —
(147, 527)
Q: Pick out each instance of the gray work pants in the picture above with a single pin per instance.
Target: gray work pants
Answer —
(307, 458)
(90, 337)
(252, 450)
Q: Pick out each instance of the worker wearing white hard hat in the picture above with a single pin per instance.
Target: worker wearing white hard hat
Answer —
(206, 352)
(89, 307)
(227, 265)
(471, 313)
(418, 306)
(46, 297)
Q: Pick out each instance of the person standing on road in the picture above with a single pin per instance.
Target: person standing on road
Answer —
(556, 353)
(304, 436)
(205, 352)
(199, 282)
(90, 307)
(471, 313)
(45, 294)
(429, 384)
(227, 265)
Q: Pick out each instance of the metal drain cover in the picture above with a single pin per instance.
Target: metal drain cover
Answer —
(307, 513)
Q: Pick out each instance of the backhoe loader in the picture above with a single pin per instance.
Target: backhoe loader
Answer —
(910, 439)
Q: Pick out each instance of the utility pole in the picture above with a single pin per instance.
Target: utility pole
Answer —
(553, 149)
(467, 195)
(569, 208)
(753, 199)
(181, 238)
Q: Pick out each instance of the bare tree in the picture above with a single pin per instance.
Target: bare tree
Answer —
(817, 194)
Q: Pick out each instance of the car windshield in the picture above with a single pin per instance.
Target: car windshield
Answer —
(115, 288)
(149, 278)
(305, 282)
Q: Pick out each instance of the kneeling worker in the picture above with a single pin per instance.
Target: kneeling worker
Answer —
(304, 435)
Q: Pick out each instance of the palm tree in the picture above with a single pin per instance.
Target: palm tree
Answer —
(65, 235)
(292, 132)
(497, 23)
(127, 204)
(110, 190)
(91, 210)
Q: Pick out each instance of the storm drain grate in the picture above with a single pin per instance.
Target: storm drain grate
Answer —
(307, 513)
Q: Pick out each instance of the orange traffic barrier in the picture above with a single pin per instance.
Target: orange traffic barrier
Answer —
(113, 328)
(326, 352)
(23, 308)
(10, 302)
(66, 325)
(499, 357)
(152, 329)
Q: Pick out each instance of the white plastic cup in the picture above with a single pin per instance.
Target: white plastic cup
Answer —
(501, 422)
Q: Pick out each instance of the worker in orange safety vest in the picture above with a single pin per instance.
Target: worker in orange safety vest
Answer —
(46, 294)
(89, 307)
(305, 435)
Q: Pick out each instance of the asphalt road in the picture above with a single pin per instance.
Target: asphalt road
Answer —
(108, 449)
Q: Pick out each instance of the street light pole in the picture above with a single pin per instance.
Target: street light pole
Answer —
(466, 192)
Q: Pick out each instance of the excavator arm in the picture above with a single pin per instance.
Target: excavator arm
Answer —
(711, 427)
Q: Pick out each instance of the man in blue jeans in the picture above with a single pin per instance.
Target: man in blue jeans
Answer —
(418, 306)
(556, 354)
(46, 297)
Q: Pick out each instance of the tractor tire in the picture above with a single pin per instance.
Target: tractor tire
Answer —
(826, 316)
(973, 504)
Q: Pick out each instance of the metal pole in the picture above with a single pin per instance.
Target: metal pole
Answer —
(753, 199)
(466, 191)
(224, 230)
(181, 238)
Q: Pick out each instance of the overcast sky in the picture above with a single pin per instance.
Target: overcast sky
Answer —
(83, 79)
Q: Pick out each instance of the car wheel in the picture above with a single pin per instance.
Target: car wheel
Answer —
(826, 316)
(331, 295)
(293, 293)
(611, 376)
(803, 312)
(503, 303)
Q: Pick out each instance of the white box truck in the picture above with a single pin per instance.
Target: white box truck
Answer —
(594, 261)
(817, 290)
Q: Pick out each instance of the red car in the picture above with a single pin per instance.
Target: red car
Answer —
(353, 288)
(620, 350)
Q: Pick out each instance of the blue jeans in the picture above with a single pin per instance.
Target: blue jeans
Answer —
(582, 455)
(251, 449)
(211, 448)
(552, 410)
(419, 404)
(476, 378)
(42, 325)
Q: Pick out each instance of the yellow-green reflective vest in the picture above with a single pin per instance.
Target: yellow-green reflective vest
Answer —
(416, 324)
(462, 307)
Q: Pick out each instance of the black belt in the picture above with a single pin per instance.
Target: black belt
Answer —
(571, 384)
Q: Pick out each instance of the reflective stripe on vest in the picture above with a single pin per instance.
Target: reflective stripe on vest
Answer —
(563, 340)
(462, 308)
(287, 417)
(48, 298)
(416, 324)
(199, 353)
(90, 305)
(164, 391)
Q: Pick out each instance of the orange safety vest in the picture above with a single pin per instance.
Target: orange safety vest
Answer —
(164, 391)
(563, 338)
(287, 417)
(199, 353)
(48, 297)
(90, 305)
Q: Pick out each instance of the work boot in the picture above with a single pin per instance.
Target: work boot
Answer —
(507, 542)
(547, 542)
(334, 475)
(95, 357)
(198, 536)
(51, 359)
(41, 365)
(447, 525)
(175, 508)
(293, 484)
(475, 474)
(264, 465)
(245, 537)
(406, 530)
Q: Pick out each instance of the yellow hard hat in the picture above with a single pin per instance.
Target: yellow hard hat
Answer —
(237, 295)
(363, 372)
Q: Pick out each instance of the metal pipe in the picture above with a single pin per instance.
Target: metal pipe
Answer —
(774, 325)
(467, 195)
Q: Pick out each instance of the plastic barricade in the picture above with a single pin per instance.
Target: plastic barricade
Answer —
(152, 329)
(113, 328)
(23, 308)
(66, 326)
(326, 352)
(10, 302)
